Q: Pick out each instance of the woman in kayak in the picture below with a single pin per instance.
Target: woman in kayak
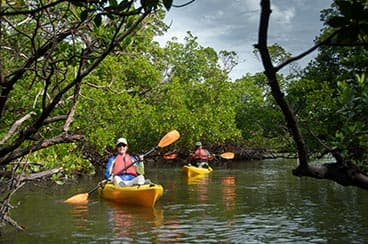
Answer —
(200, 156)
(123, 169)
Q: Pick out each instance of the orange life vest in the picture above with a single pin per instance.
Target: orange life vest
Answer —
(121, 162)
(200, 154)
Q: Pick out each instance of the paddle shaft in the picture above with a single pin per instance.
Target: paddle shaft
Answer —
(83, 197)
(150, 151)
(94, 189)
(225, 155)
(100, 184)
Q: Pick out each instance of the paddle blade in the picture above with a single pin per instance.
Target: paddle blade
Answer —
(169, 138)
(227, 155)
(170, 155)
(211, 157)
(78, 199)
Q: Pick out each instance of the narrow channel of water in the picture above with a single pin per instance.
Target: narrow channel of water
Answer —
(239, 202)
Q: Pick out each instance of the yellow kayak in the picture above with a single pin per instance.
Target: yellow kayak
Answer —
(191, 171)
(139, 195)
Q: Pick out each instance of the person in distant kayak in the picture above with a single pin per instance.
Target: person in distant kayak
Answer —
(123, 169)
(200, 156)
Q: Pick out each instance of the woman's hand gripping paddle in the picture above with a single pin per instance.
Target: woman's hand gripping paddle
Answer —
(168, 139)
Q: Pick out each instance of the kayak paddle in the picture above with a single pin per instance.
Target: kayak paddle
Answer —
(169, 138)
(225, 155)
(82, 198)
(170, 155)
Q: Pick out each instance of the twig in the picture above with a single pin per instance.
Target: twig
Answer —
(15, 126)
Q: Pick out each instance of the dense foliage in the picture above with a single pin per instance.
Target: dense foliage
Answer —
(110, 81)
(48, 49)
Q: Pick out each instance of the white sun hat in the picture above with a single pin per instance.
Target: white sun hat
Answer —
(121, 140)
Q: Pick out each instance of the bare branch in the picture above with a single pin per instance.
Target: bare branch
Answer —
(55, 119)
(15, 126)
(41, 174)
(73, 108)
(343, 172)
(13, 223)
(324, 42)
(33, 11)
(184, 4)
(5, 207)
(64, 138)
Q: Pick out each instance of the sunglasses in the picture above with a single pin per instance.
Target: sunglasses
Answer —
(122, 145)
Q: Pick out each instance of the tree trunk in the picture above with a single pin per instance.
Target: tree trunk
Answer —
(342, 172)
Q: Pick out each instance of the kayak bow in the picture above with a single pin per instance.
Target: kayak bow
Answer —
(191, 171)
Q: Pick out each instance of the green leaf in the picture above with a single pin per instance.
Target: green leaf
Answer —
(84, 15)
(123, 5)
(348, 35)
(345, 8)
(357, 10)
(167, 4)
(337, 21)
(149, 5)
(113, 3)
(364, 28)
(78, 3)
(98, 20)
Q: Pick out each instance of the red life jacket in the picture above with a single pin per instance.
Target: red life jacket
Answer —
(200, 154)
(122, 162)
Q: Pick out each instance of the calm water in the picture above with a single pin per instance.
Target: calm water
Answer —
(239, 202)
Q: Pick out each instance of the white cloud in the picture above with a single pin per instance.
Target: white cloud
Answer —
(233, 25)
(283, 17)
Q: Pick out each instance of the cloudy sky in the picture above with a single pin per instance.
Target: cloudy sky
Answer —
(232, 25)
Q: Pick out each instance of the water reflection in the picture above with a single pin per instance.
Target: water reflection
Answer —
(253, 202)
(198, 187)
(198, 179)
(124, 220)
(80, 215)
(228, 192)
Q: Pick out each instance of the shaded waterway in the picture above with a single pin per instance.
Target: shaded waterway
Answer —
(239, 202)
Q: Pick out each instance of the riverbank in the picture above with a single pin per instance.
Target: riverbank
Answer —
(180, 156)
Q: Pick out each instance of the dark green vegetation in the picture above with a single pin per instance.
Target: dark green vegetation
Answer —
(81, 75)
(77, 75)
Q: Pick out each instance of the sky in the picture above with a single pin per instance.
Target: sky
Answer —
(232, 25)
